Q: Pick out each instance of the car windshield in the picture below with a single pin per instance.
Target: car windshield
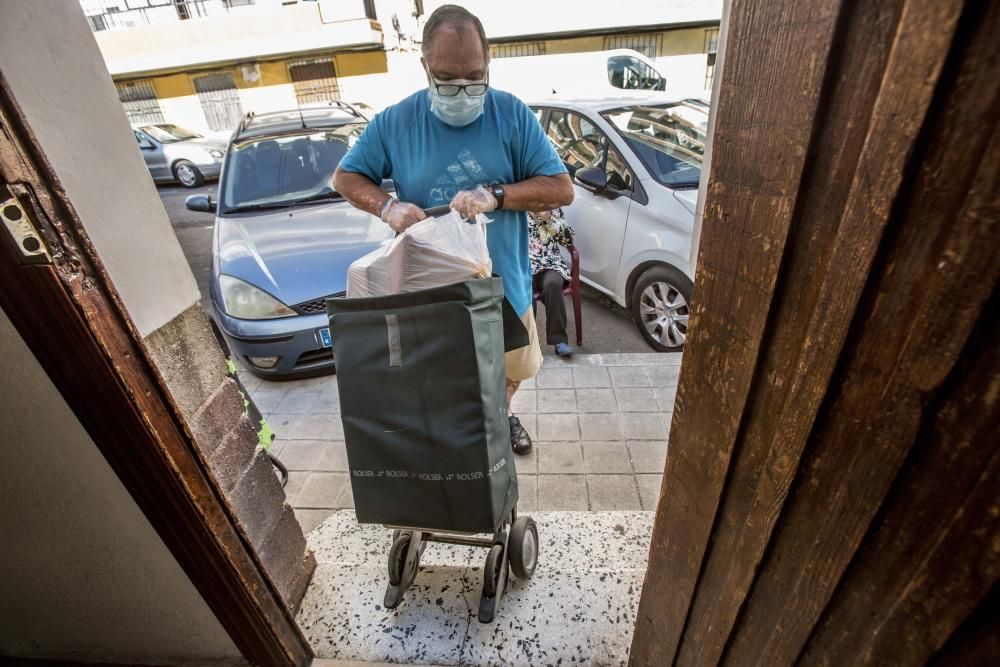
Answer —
(274, 172)
(668, 138)
(168, 134)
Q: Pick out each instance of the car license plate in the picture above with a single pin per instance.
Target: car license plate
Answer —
(324, 337)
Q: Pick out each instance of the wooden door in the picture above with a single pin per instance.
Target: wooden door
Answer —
(830, 493)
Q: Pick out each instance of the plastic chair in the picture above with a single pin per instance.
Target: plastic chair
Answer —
(570, 288)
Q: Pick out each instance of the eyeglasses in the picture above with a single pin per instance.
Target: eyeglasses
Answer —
(450, 88)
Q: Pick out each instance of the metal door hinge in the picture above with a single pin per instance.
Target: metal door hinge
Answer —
(23, 233)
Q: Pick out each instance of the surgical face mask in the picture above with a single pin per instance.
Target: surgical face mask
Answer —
(456, 110)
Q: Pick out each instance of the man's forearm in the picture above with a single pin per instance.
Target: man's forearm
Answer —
(360, 191)
(538, 193)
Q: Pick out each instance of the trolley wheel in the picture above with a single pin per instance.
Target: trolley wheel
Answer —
(493, 571)
(397, 560)
(396, 532)
(523, 547)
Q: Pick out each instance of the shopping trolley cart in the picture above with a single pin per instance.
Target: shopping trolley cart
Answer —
(423, 402)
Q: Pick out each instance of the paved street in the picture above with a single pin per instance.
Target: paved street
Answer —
(606, 326)
(599, 420)
(599, 423)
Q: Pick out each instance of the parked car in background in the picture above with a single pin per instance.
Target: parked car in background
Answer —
(175, 154)
(592, 74)
(284, 238)
(636, 166)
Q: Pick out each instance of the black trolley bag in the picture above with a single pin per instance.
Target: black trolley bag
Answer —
(423, 402)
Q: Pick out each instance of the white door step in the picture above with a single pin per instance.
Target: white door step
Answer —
(580, 606)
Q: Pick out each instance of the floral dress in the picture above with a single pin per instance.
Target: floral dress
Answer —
(548, 232)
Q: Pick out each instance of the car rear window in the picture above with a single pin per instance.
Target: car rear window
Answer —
(275, 170)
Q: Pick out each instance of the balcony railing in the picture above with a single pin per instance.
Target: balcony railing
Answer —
(123, 14)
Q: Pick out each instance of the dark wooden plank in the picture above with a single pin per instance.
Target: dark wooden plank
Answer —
(758, 157)
(965, 430)
(116, 392)
(949, 582)
(976, 643)
(890, 368)
(919, 540)
(802, 348)
(781, 410)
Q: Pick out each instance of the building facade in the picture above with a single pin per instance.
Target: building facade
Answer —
(680, 36)
(203, 64)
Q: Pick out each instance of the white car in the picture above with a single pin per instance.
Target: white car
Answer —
(636, 163)
(591, 73)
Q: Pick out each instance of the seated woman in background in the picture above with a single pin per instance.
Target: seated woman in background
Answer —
(547, 233)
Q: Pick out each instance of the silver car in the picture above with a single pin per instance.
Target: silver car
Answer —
(636, 163)
(175, 154)
(284, 238)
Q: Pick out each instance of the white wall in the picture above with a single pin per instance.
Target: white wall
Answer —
(185, 111)
(53, 66)
(256, 31)
(82, 573)
(278, 97)
(405, 76)
(685, 74)
(511, 18)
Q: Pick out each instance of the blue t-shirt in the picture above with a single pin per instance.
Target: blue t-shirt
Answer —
(431, 161)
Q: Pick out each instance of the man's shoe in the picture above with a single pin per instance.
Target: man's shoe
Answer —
(520, 441)
(564, 350)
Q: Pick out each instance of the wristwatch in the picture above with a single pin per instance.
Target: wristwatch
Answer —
(497, 191)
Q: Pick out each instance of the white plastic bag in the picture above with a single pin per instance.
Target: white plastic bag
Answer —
(433, 252)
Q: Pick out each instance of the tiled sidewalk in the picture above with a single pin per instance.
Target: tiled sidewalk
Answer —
(599, 423)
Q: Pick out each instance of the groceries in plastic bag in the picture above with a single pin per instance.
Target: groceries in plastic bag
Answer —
(432, 253)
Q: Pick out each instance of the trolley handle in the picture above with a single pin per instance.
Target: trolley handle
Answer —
(435, 211)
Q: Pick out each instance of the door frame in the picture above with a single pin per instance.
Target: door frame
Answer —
(68, 302)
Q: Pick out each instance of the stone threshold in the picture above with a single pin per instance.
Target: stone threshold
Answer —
(579, 607)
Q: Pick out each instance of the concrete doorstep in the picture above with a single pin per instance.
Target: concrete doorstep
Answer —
(579, 608)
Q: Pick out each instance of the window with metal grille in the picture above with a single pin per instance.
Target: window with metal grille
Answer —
(139, 100)
(314, 80)
(97, 23)
(219, 100)
(648, 44)
(711, 48)
(517, 50)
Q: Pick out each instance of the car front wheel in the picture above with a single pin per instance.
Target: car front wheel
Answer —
(187, 174)
(660, 306)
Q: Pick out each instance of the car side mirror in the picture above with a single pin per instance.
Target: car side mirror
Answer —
(147, 146)
(592, 179)
(200, 203)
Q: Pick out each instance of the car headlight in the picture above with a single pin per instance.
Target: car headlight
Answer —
(216, 153)
(243, 300)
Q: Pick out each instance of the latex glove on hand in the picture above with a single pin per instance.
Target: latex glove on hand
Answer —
(470, 203)
(399, 215)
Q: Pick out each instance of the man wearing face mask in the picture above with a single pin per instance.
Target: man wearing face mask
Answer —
(462, 143)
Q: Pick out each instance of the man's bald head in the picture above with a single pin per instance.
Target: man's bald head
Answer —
(455, 43)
